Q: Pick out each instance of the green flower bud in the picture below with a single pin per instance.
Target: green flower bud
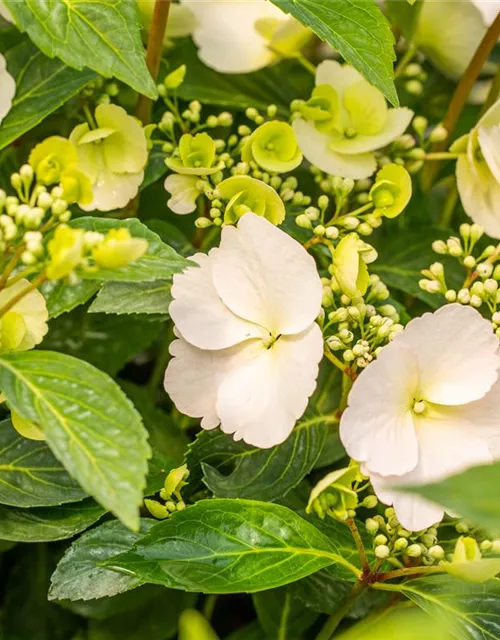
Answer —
(400, 544)
(175, 78)
(380, 539)
(414, 551)
(382, 551)
(372, 526)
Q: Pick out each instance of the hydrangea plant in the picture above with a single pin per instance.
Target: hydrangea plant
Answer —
(249, 320)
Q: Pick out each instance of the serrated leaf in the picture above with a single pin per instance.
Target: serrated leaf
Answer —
(62, 297)
(231, 546)
(358, 30)
(78, 575)
(46, 524)
(30, 475)
(89, 424)
(470, 611)
(264, 474)
(42, 86)
(107, 342)
(473, 494)
(159, 263)
(102, 35)
(281, 615)
(133, 297)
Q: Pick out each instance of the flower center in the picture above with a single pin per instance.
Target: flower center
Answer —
(419, 407)
(269, 341)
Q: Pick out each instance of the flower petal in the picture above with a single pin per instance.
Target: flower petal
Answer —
(447, 445)
(261, 400)
(315, 146)
(125, 150)
(113, 190)
(395, 125)
(200, 315)
(377, 428)
(33, 309)
(339, 76)
(184, 193)
(457, 354)
(489, 141)
(267, 277)
(484, 414)
(480, 194)
(193, 377)
(7, 89)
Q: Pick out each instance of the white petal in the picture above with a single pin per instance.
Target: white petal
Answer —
(396, 124)
(315, 146)
(489, 9)
(7, 89)
(200, 315)
(339, 76)
(193, 377)
(267, 277)
(184, 193)
(484, 414)
(377, 428)
(113, 190)
(5, 12)
(457, 354)
(489, 141)
(448, 444)
(491, 117)
(480, 195)
(226, 36)
(261, 400)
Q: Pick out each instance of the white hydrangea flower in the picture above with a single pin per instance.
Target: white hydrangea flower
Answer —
(184, 192)
(248, 346)
(346, 120)
(243, 36)
(478, 171)
(7, 89)
(427, 408)
(113, 156)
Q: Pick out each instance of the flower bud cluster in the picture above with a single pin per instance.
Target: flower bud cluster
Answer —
(170, 494)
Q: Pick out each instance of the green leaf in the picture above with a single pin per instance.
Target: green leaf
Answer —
(133, 297)
(89, 423)
(251, 631)
(107, 342)
(278, 84)
(159, 263)
(473, 494)
(153, 617)
(280, 615)
(99, 34)
(62, 297)
(30, 475)
(231, 546)
(42, 86)
(78, 575)
(358, 30)
(45, 524)
(470, 611)
(264, 474)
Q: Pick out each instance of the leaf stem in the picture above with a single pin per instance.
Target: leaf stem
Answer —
(11, 266)
(407, 571)
(209, 605)
(359, 545)
(336, 618)
(153, 54)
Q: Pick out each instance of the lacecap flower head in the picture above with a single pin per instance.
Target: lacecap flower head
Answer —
(244, 36)
(428, 407)
(248, 347)
(478, 171)
(113, 155)
(345, 121)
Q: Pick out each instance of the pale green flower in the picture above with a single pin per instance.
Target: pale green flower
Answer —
(245, 194)
(184, 192)
(197, 156)
(392, 191)
(349, 266)
(66, 251)
(468, 564)
(118, 249)
(273, 146)
(333, 495)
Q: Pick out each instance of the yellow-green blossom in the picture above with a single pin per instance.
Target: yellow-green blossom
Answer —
(246, 194)
(174, 482)
(51, 157)
(273, 146)
(66, 251)
(468, 564)
(118, 249)
(334, 495)
(392, 191)
(24, 325)
(194, 626)
(349, 266)
(197, 155)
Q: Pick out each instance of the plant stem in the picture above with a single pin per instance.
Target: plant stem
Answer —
(359, 544)
(13, 301)
(462, 92)
(11, 266)
(346, 387)
(153, 54)
(441, 155)
(306, 64)
(407, 571)
(336, 618)
(209, 606)
(405, 60)
(334, 360)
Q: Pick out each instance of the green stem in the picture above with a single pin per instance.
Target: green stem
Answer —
(356, 212)
(492, 94)
(90, 118)
(336, 618)
(161, 361)
(441, 155)
(402, 573)
(405, 60)
(347, 383)
(209, 606)
(334, 360)
(306, 64)
(359, 545)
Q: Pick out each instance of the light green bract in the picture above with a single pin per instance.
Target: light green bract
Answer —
(197, 155)
(349, 267)
(468, 564)
(273, 146)
(334, 495)
(248, 194)
(392, 191)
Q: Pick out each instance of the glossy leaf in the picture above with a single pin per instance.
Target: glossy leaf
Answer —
(358, 30)
(42, 86)
(281, 615)
(159, 263)
(133, 297)
(61, 298)
(89, 423)
(45, 524)
(228, 546)
(78, 575)
(473, 494)
(30, 475)
(263, 474)
(99, 34)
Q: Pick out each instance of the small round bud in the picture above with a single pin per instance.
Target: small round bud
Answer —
(462, 527)
(475, 301)
(348, 356)
(226, 119)
(370, 502)
(401, 544)
(438, 246)
(414, 551)
(323, 202)
(380, 539)
(332, 233)
(469, 262)
(372, 526)
(382, 551)
(438, 134)
(350, 223)
(450, 295)
(203, 223)
(26, 172)
(272, 110)
(495, 546)
(312, 213)
(414, 87)
(303, 221)
(436, 552)
(419, 123)
(486, 545)
(319, 230)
